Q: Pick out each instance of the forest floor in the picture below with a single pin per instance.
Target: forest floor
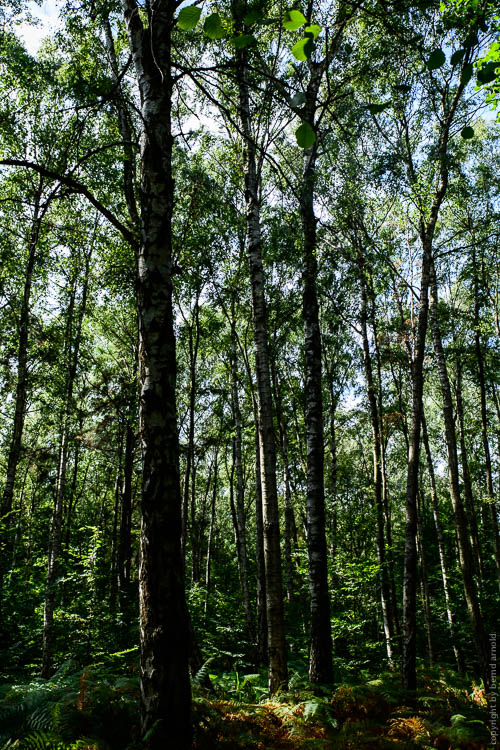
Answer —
(377, 714)
(97, 709)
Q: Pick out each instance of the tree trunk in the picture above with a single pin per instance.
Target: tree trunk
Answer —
(383, 469)
(238, 507)
(278, 675)
(484, 415)
(442, 557)
(125, 536)
(320, 653)
(73, 340)
(377, 470)
(164, 640)
(289, 515)
(467, 484)
(211, 539)
(424, 584)
(20, 397)
(465, 555)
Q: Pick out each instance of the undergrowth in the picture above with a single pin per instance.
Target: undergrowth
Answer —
(97, 709)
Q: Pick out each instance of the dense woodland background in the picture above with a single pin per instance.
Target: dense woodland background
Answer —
(334, 292)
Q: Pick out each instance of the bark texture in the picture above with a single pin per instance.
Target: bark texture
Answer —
(164, 626)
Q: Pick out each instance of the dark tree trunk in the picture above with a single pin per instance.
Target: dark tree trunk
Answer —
(164, 625)
(20, 397)
(320, 652)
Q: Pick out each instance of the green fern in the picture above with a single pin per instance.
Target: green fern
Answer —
(203, 672)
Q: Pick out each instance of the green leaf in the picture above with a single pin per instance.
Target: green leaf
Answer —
(293, 20)
(303, 49)
(467, 133)
(243, 40)
(487, 73)
(457, 56)
(374, 109)
(467, 73)
(436, 59)
(313, 29)
(252, 17)
(305, 135)
(213, 27)
(188, 17)
(470, 41)
(298, 99)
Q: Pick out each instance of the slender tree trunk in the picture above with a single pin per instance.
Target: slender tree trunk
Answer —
(333, 466)
(125, 536)
(274, 597)
(20, 397)
(289, 514)
(424, 583)
(493, 507)
(427, 227)
(442, 556)
(410, 566)
(383, 468)
(465, 555)
(467, 484)
(211, 539)
(73, 340)
(377, 470)
(189, 476)
(164, 639)
(320, 653)
(238, 507)
(262, 629)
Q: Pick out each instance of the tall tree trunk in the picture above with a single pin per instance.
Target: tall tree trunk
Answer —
(188, 501)
(424, 582)
(320, 652)
(125, 536)
(493, 507)
(289, 514)
(278, 675)
(164, 640)
(427, 228)
(238, 507)
(73, 340)
(211, 538)
(442, 556)
(467, 484)
(465, 555)
(383, 466)
(385, 594)
(262, 654)
(20, 397)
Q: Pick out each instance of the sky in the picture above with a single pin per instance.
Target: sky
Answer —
(47, 19)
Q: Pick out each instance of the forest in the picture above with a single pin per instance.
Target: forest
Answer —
(249, 374)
